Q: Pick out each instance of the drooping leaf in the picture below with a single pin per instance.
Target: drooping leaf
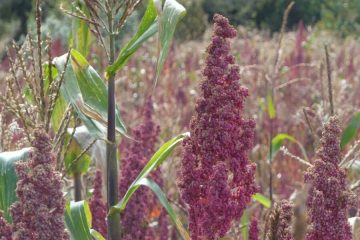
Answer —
(96, 235)
(165, 203)
(8, 178)
(159, 157)
(270, 107)
(262, 199)
(147, 28)
(86, 92)
(277, 141)
(171, 14)
(350, 130)
(78, 220)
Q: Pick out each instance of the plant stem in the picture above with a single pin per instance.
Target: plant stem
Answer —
(114, 232)
(328, 68)
(77, 186)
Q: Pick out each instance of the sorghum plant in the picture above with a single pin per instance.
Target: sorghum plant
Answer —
(39, 212)
(279, 222)
(328, 198)
(97, 206)
(5, 229)
(216, 177)
(135, 218)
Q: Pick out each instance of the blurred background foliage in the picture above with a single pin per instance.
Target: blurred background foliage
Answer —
(341, 17)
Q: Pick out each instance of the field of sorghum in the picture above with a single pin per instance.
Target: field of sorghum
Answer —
(272, 149)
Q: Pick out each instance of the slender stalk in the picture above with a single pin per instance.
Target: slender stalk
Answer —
(328, 69)
(114, 232)
(77, 187)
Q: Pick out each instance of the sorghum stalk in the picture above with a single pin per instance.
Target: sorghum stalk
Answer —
(111, 159)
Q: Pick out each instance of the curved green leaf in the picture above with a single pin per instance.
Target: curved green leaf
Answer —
(350, 130)
(171, 14)
(147, 28)
(141, 179)
(262, 199)
(165, 203)
(78, 220)
(155, 161)
(8, 178)
(277, 141)
(95, 234)
(86, 92)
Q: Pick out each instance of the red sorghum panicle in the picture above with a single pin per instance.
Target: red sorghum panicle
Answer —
(98, 207)
(279, 222)
(328, 197)
(254, 229)
(39, 212)
(216, 177)
(143, 206)
(5, 229)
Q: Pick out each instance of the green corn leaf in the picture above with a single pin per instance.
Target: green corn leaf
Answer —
(86, 92)
(8, 178)
(171, 14)
(262, 199)
(78, 220)
(147, 28)
(81, 34)
(350, 130)
(96, 235)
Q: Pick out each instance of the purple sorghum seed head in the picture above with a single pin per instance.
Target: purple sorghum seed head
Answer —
(143, 204)
(328, 198)
(279, 222)
(216, 178)
(254, 229)
(98, 207)
(39, 211)
(5, 229)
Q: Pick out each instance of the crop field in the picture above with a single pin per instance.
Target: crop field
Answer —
(179, 119)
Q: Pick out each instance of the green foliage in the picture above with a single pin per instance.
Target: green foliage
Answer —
(341, 17)
(171, 14)
(350, 130)
(262, 200)
(147, 28)
(86, 92)
(8, 178)
(159, 157)
(82, 164)
(80, 37)
(194, 24)
(78, 220)
(277, 141)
